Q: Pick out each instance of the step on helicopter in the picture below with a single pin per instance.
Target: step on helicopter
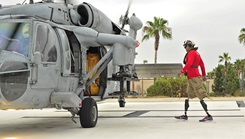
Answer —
(65, 56)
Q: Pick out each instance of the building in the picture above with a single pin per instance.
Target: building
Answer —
(147, 72)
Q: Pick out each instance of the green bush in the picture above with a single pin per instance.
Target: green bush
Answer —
(212, 94)
(153, 90)
(238, 93)
(167, 87)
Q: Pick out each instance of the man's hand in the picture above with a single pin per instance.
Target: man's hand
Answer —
(179, 74)
(204, 78)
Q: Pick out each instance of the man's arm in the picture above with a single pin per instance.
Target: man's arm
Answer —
(189, 63)
(203, 69)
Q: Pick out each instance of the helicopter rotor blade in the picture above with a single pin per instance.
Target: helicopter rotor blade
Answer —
(129, 5)
(124, 20)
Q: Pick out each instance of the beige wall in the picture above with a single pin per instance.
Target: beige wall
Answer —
(209, 84)
(141, 86)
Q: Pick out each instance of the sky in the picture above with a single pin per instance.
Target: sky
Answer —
(214, 26)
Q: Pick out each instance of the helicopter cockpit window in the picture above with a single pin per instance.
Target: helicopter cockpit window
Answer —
(15, 37)
(45, 43)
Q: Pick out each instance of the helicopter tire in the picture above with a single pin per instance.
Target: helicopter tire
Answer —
(88, 113)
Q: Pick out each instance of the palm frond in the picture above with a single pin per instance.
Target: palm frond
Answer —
(145, 37)
(241, 37)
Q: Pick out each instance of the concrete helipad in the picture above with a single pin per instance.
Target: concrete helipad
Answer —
(140, 119)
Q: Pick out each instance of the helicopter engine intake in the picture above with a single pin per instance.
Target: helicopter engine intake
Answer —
(86, 15)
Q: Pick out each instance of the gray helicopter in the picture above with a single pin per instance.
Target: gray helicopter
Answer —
(64, 56)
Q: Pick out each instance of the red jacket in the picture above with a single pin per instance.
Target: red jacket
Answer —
(193, 61)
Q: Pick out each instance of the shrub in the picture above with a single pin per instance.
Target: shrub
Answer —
(167, 86)
(238, 93)
(212, 94)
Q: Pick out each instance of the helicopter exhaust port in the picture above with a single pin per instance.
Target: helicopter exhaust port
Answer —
(86, 15)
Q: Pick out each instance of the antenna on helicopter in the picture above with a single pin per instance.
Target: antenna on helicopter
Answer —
(23, 2)
(66, 3)
(31, 2)
(124, 20)
(48, 1)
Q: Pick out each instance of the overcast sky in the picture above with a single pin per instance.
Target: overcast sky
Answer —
(214, 25)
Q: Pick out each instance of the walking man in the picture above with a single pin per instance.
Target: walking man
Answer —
(195, 88)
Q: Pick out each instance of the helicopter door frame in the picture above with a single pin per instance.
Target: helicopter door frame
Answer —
(67, 55)
(45, 42)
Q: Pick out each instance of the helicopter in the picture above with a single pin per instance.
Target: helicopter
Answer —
(65, 56)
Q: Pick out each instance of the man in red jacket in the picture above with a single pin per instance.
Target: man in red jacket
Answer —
(195, 88)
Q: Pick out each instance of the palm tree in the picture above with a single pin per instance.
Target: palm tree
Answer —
(225, 58)
(239, 66)
(241, 37)
(154, 29)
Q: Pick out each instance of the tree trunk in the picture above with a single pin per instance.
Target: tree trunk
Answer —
(242, 79)
(155, 61)
(224, 92)
(157, 37)
(225, 86)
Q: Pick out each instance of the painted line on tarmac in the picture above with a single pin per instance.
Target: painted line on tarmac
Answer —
(240, 103)
(139, 114)
(167, 110)
(220, 116)
(135, 114)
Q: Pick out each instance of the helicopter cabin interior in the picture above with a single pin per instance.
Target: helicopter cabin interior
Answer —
(94, 54)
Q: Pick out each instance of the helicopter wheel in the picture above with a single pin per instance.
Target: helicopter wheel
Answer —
(88, 113)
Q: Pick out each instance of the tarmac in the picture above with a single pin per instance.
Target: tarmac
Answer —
(141, 118)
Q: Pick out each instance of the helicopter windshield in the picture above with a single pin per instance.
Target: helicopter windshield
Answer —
(14, 36)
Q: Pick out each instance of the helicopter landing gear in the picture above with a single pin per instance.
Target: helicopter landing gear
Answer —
(121, 98)
(88, 113)
(121, 103)
(123, 76)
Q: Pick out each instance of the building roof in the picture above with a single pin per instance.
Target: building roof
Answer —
(158, 70)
